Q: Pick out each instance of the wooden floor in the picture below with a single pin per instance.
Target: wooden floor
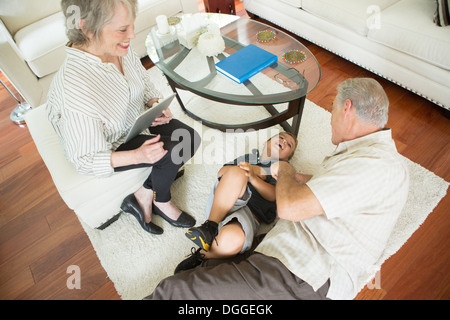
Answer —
(40, 237)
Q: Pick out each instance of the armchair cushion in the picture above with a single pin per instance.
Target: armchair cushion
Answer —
(41, 42)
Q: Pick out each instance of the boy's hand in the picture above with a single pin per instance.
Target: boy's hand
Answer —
(252, 171)
(274, 170)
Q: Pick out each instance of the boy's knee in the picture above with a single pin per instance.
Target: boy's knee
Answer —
(235, 170)
(232, 238)
(236, 173)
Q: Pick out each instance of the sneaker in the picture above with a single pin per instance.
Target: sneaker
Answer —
(191, 262)
(204, 235)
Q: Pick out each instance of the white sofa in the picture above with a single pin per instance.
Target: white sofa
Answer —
(32, 39)
(396, 39)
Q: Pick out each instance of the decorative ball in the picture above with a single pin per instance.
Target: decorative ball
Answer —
(210, 44)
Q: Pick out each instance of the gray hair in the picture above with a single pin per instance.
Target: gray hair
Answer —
(368, 97)
(96, 13)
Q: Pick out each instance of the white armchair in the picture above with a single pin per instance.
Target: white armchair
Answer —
(32, 39)
(96, 201)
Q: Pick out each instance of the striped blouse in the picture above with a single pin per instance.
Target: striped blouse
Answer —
(92, 106)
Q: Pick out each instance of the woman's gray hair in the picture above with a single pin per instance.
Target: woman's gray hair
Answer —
(368, 97)
(96, 13)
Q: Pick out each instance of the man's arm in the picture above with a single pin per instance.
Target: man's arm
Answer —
(302, 178)
(295, 201)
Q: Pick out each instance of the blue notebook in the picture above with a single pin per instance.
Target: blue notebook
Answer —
(245, 63)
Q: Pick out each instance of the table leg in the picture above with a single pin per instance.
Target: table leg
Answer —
(297, 105)
(173, 86)
(294, 111)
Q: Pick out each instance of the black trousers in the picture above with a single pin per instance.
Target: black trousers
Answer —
(181, 142)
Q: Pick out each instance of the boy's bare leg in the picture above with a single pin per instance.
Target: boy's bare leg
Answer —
(231, 187)
(230, 241)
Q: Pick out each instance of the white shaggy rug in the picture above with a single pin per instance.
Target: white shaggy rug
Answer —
(137, 261)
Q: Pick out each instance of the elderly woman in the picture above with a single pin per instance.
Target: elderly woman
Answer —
(94, 99)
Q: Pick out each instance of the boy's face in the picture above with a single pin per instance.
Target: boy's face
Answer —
(280, 147)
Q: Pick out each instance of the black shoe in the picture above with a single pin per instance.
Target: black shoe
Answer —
(191, 262)
(204, 235)
(183, 221)
(131, 206)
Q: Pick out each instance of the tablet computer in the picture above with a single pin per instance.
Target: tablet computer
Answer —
(145, 120)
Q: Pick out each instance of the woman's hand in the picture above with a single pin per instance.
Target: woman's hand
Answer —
(163, 119)
(152, 101)
(150, 151)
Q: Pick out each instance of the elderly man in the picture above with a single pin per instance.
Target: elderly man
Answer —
(333, 225)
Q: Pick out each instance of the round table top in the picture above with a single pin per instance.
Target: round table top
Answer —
(294, 75)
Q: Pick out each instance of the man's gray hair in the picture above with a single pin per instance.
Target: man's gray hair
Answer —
(96, 13)
(368, 97)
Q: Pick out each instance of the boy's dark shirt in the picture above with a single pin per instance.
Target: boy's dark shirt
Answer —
(264, 210)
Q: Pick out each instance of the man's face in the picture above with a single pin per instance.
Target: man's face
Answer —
(337, 122)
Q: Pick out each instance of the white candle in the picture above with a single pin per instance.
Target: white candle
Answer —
(163, 24)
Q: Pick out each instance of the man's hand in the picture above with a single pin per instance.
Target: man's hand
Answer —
(252, 171)
(300, 178)
(282, 166)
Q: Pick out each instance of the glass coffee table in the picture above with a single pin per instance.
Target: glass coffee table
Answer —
(296, 73)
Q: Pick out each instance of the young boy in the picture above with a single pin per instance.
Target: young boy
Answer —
(243, 196)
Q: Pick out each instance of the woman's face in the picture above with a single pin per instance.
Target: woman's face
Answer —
(115, 36)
